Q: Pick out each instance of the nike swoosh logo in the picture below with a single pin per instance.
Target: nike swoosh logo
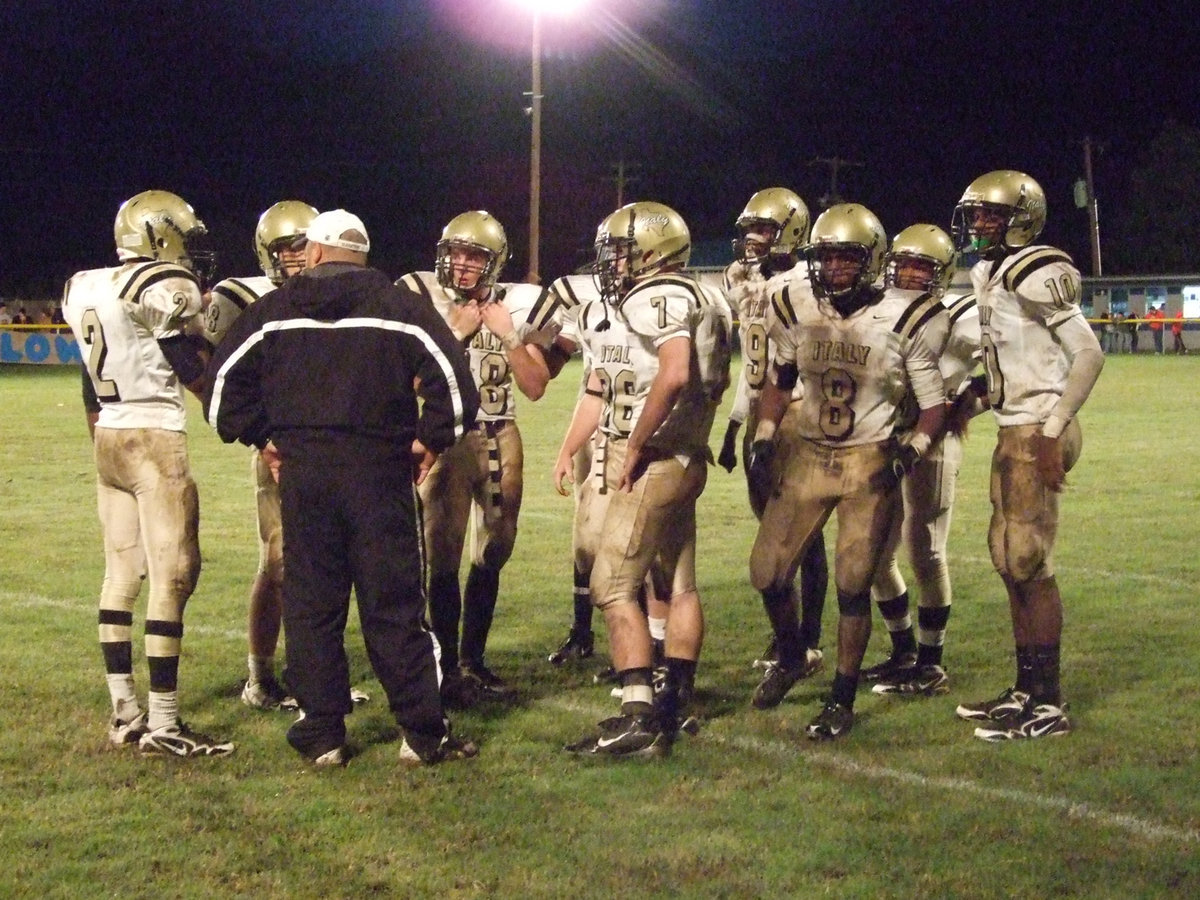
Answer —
(601, 742)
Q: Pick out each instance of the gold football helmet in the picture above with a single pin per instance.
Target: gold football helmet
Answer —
(780, 210)
(1013, 195)
(635, 242)
(929, 244)
(277, 229)
(161, 225)
(476, 230)
(849, 227)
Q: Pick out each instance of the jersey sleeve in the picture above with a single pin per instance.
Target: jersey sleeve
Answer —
(1047, 283)
(660, 312)
(227, 301)
(163, 298)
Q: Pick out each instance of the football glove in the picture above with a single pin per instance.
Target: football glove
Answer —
(758, 471)
(727, 459)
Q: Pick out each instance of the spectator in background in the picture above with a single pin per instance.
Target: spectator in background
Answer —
(1155, 315)
(1120, 333)
(56, 317)
(21, 318)
(1131, 325)
(43, 316)
(5, 315)
(1106, 332)
(1177, 334)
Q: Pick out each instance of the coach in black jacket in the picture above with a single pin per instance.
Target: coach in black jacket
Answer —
(322, 374)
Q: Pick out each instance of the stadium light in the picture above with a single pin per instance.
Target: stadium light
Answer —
(538, 8)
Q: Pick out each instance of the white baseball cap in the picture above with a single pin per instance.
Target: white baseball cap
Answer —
(328, 227)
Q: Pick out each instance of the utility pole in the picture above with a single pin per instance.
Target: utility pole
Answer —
(1093, 207)
(835, 164)
(623, 178)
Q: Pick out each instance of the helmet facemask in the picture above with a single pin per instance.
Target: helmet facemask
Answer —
(199, 256)
(827, 274)
(446, 266)
(750, 251)
(933, 283)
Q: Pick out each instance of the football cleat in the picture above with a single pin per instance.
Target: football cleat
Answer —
(896, 667)
(607, 675)
(578, 645)
(1042, 720)
(458, 691)
(179, 740)
(332, 759)
(268, 693)
(778, 681)
(449, 750)
(1010, 703)
(627, 736)
(359, 696)
(926, 681)
(488, 683)
(769, 657)
(831, 722)
(121, 732)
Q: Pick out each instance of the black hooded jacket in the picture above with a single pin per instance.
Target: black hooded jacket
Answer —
(340, 351)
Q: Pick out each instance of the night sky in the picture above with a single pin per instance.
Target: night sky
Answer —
(409, 112)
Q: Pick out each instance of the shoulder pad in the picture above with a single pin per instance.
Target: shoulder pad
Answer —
(236, 292)
(920, 311)
(960, 307)
(1026, 263)
(785, 309)
(151, 273)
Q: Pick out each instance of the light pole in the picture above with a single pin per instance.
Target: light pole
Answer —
(535, 150)
(537, 8)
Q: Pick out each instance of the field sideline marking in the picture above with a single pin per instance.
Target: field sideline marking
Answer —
(841, 765)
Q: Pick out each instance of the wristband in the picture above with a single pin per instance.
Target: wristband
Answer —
(765, 431)
(511, 341)
(920, 443)
(1053, 427)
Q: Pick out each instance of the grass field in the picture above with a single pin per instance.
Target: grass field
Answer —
(908, 805)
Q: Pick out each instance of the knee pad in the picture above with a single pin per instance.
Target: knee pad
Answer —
(854, 604)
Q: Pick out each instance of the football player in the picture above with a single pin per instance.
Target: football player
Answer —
(507, 331)
(858, 350)
(1041, 360)
(771, 230)
(657, 346)
(133, 325)
(279, 227)
(922, 258)
(570, 292)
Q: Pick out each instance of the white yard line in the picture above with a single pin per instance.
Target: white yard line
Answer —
(844, 766)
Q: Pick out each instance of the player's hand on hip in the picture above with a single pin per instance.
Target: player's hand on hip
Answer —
(273, 459)
(423, 460)
(1048, 456)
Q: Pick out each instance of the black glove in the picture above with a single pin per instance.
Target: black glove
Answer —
(727, 459)
(903, 460)
(758, 471)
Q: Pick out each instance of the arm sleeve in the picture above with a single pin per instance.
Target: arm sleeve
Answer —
(1087, 359)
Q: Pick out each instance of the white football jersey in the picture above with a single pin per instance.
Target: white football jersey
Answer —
(960, 356)
(118, 316)
(857, 369)
(229, 298)
(570, 292)
(621, 346)
(750, 294)
(1022, 299)
(533, 314)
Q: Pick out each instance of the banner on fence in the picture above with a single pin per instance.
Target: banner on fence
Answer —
(49, 347)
